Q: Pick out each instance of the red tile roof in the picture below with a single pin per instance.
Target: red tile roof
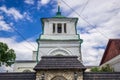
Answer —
(112, 50)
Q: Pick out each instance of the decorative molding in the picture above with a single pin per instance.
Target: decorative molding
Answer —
(59, 50)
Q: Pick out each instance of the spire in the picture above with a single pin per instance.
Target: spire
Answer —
(58, 13)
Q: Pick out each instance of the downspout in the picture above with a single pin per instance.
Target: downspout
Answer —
(81, 41)
(37, 51)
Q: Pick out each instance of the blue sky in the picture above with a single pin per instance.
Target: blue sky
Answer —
(99, 21)
(24, 17)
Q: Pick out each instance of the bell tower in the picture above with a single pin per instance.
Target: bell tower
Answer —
(59, 50)
(59, 37)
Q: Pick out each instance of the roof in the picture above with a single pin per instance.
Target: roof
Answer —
(18, 76)
(58, 13)
(59, 18)
(24, 61)
(101, 76)
(112, 50)
(59, 62)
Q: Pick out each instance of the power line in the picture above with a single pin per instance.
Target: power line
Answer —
(23, 37)
(83, 18)
(23, 44)
(84, 6)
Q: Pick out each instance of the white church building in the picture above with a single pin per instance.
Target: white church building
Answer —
(59, 38)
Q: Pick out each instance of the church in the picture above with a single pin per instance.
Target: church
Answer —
(59, 38)
(58, 56)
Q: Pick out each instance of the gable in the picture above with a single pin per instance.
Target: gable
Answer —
(112, 50)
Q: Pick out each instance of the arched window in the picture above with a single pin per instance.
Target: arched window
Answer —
(26, 70)
(59, 55)
(59, 52)
(59, 28)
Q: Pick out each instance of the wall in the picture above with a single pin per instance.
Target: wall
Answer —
(20, 67)
(114, 63)
(68, 74)
(48, 25)
(70, 47)
(101, 76)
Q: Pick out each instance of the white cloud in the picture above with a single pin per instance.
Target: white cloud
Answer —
(15, 14)
(3, 25)
(29, 1)
(26, 16)
(23, 50)
(12, 12)
(104, 15)
(74, 4)
(43, 2)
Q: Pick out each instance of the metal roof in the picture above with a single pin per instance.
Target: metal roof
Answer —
(59, 62)
(101, 76)
(18, 76)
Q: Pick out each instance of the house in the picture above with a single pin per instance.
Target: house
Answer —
(112, 55)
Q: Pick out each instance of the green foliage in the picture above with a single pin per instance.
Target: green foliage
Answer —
(95, 69)
(105, 68)
(6, 55)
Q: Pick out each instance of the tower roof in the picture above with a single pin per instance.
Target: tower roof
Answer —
(58, 13)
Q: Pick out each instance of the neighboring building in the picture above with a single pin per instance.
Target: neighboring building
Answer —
(112, 55)
(25, 65)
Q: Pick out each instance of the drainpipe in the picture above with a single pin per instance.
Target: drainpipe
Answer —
(37, 51)
(81, 41)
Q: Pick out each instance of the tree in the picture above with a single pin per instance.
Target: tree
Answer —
(105, 68)
(7, 56)
(95, 69)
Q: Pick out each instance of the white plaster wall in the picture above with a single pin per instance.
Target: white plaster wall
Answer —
(20, 67)
(47, 47)
(48, 26)
(114, 63)
(116, 67)
(34, 55)
(60, 37)
(71, 28)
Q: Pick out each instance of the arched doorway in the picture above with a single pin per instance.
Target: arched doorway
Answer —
(58, 78)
